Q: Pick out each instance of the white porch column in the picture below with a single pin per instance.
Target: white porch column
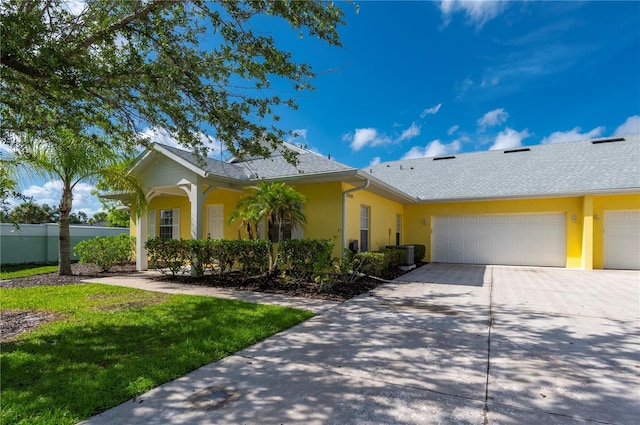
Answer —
(142, 234)
(196, 199)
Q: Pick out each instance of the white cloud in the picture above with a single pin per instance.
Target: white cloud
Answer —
(630, 126)
(509, 138)
(50, 193)
(365, 137)
(76, 7)
(409, 133)
(162, 136)
(478, 12)
(493, 118)
(430, 111)
(300, 133)
(572, 135)
(453, 129)
(433, 148)
(374, 161)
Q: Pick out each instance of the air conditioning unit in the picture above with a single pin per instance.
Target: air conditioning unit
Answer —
(410, 251)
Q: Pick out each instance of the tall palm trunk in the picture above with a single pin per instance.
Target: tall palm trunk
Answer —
(64, 243)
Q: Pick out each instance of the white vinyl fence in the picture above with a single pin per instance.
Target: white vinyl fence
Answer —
(38, 243)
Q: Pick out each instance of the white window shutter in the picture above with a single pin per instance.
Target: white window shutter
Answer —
(175, 224)
(152, 224)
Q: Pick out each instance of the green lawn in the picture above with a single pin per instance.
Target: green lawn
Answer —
(12, 271)
(111, 344)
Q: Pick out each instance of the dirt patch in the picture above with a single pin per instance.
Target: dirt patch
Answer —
(15, 322)
(80, 272)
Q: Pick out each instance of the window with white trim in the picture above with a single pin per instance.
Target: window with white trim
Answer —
(170, 224)
(398, 228)
(364, 228)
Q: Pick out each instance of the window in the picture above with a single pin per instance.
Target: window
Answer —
(364, 228)
(398, 228)
(286, 231)
(170, 224)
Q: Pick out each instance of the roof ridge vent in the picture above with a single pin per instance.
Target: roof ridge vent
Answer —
(597, 142)
(517, 150)
(438, 158)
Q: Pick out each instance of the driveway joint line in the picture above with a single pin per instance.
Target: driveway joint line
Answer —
(485, 410)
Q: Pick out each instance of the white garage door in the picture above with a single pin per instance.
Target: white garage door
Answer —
(622, 239)
(512, 239)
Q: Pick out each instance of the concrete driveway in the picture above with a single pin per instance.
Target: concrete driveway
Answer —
(445, 344)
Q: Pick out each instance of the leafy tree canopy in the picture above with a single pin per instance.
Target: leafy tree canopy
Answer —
(117, 67)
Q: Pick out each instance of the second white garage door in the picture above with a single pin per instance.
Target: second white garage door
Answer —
(510, 239)
(622, 239)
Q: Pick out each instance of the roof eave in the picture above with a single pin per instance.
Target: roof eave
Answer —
(620, 191)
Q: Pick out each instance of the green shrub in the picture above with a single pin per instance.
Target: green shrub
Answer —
(306, 258)
(105, 251)
(252, 255)
(393, 258)
(419, 251)
(201, 255)
(369, 263)
(216, 255)
(170, 253)
(378, 263)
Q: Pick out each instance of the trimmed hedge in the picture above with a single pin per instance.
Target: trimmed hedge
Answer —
(106, 251)
(305, 258)
(378, 263)
(248, 256)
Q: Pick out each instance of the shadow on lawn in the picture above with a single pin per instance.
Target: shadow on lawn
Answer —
(83, 369)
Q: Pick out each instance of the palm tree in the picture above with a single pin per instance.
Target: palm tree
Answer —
(279, 203)
(72, 158)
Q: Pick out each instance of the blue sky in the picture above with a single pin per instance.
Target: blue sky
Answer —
(430, 78)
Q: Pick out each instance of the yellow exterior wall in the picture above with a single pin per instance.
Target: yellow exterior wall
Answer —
(323, 211)
(382, 218)
(602, 203)
(418, 221)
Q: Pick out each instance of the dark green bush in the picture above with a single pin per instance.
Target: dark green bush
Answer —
(105, 251)
(305, 258)
(378, 263)
(393, 258)
(419, 251)
(216, 255)
(170, 253)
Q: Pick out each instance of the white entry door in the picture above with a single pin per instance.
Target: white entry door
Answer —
(215, 221)
(622, 239)
(512, 239)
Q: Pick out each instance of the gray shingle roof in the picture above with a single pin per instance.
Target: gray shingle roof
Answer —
(553, 169)
(276, 166)
(210, 165)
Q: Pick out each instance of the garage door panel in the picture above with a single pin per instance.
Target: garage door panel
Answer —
(511, 239)
(622, 239)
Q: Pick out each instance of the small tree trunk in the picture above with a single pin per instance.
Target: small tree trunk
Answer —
(64, 243)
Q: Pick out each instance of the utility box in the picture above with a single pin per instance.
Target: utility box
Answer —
(410, 253)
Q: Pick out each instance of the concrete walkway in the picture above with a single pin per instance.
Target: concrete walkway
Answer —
(445, 344)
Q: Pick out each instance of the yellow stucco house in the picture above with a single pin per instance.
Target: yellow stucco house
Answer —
(574, 205)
